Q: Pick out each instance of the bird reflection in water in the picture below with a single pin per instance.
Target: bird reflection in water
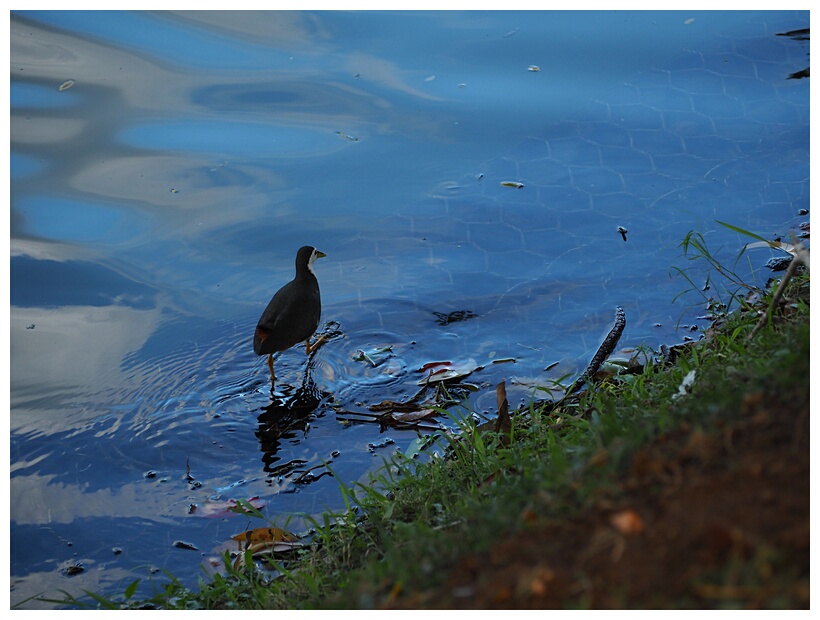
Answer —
(287, 418)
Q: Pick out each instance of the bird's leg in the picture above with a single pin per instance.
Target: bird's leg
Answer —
(310, 348)
(270, 365)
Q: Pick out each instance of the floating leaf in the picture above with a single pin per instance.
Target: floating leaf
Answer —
(256, 542)
(394, 415)
(392, 405)
(66, 85)
(407, 417)
(445, 374)
(430, 365)
(271, 538)
(229, 508)
(369, 356)
(534, 68)
(449, 372)
(514, 184)
(470, 387)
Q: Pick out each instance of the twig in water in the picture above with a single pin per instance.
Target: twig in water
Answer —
(604, 351)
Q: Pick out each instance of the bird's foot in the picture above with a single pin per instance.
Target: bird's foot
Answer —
(270, 365)
(310, 348)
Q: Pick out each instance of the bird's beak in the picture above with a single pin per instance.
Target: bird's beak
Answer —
(319, 254)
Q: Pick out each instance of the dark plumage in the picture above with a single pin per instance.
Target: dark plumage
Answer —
(293, 313)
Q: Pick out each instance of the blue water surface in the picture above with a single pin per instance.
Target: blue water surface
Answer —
(166, 166)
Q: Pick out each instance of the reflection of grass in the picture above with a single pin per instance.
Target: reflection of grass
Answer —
(432, 533)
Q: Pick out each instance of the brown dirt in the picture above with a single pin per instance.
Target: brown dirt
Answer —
(699, 521)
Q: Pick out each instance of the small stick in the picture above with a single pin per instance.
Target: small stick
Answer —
(796, 262)
(604, 351)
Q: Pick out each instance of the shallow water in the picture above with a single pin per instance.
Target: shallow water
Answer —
(165, 167)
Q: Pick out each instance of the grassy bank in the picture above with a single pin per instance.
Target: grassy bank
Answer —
(685, 484)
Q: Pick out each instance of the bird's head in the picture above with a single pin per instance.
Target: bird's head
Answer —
(306, 256)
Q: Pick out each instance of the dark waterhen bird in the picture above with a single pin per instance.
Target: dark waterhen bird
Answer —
(293, 313)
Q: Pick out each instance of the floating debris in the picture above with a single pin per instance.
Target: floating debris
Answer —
(691, 20)
(623, 232)
(509, 34)
(470, 387)
(454, 317)
(74, 569)
(66, 85)
(181, 544)
(373, 446)
(30, 326)
(534, 68)
(430, 365)
(779, 263)
(798, 35)
(430, 78)
(514, 184)
(266, 539)
(231, 507)
(347, 136)
(798, 75)
(447, 372)
(368, 356)
(174, 190)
